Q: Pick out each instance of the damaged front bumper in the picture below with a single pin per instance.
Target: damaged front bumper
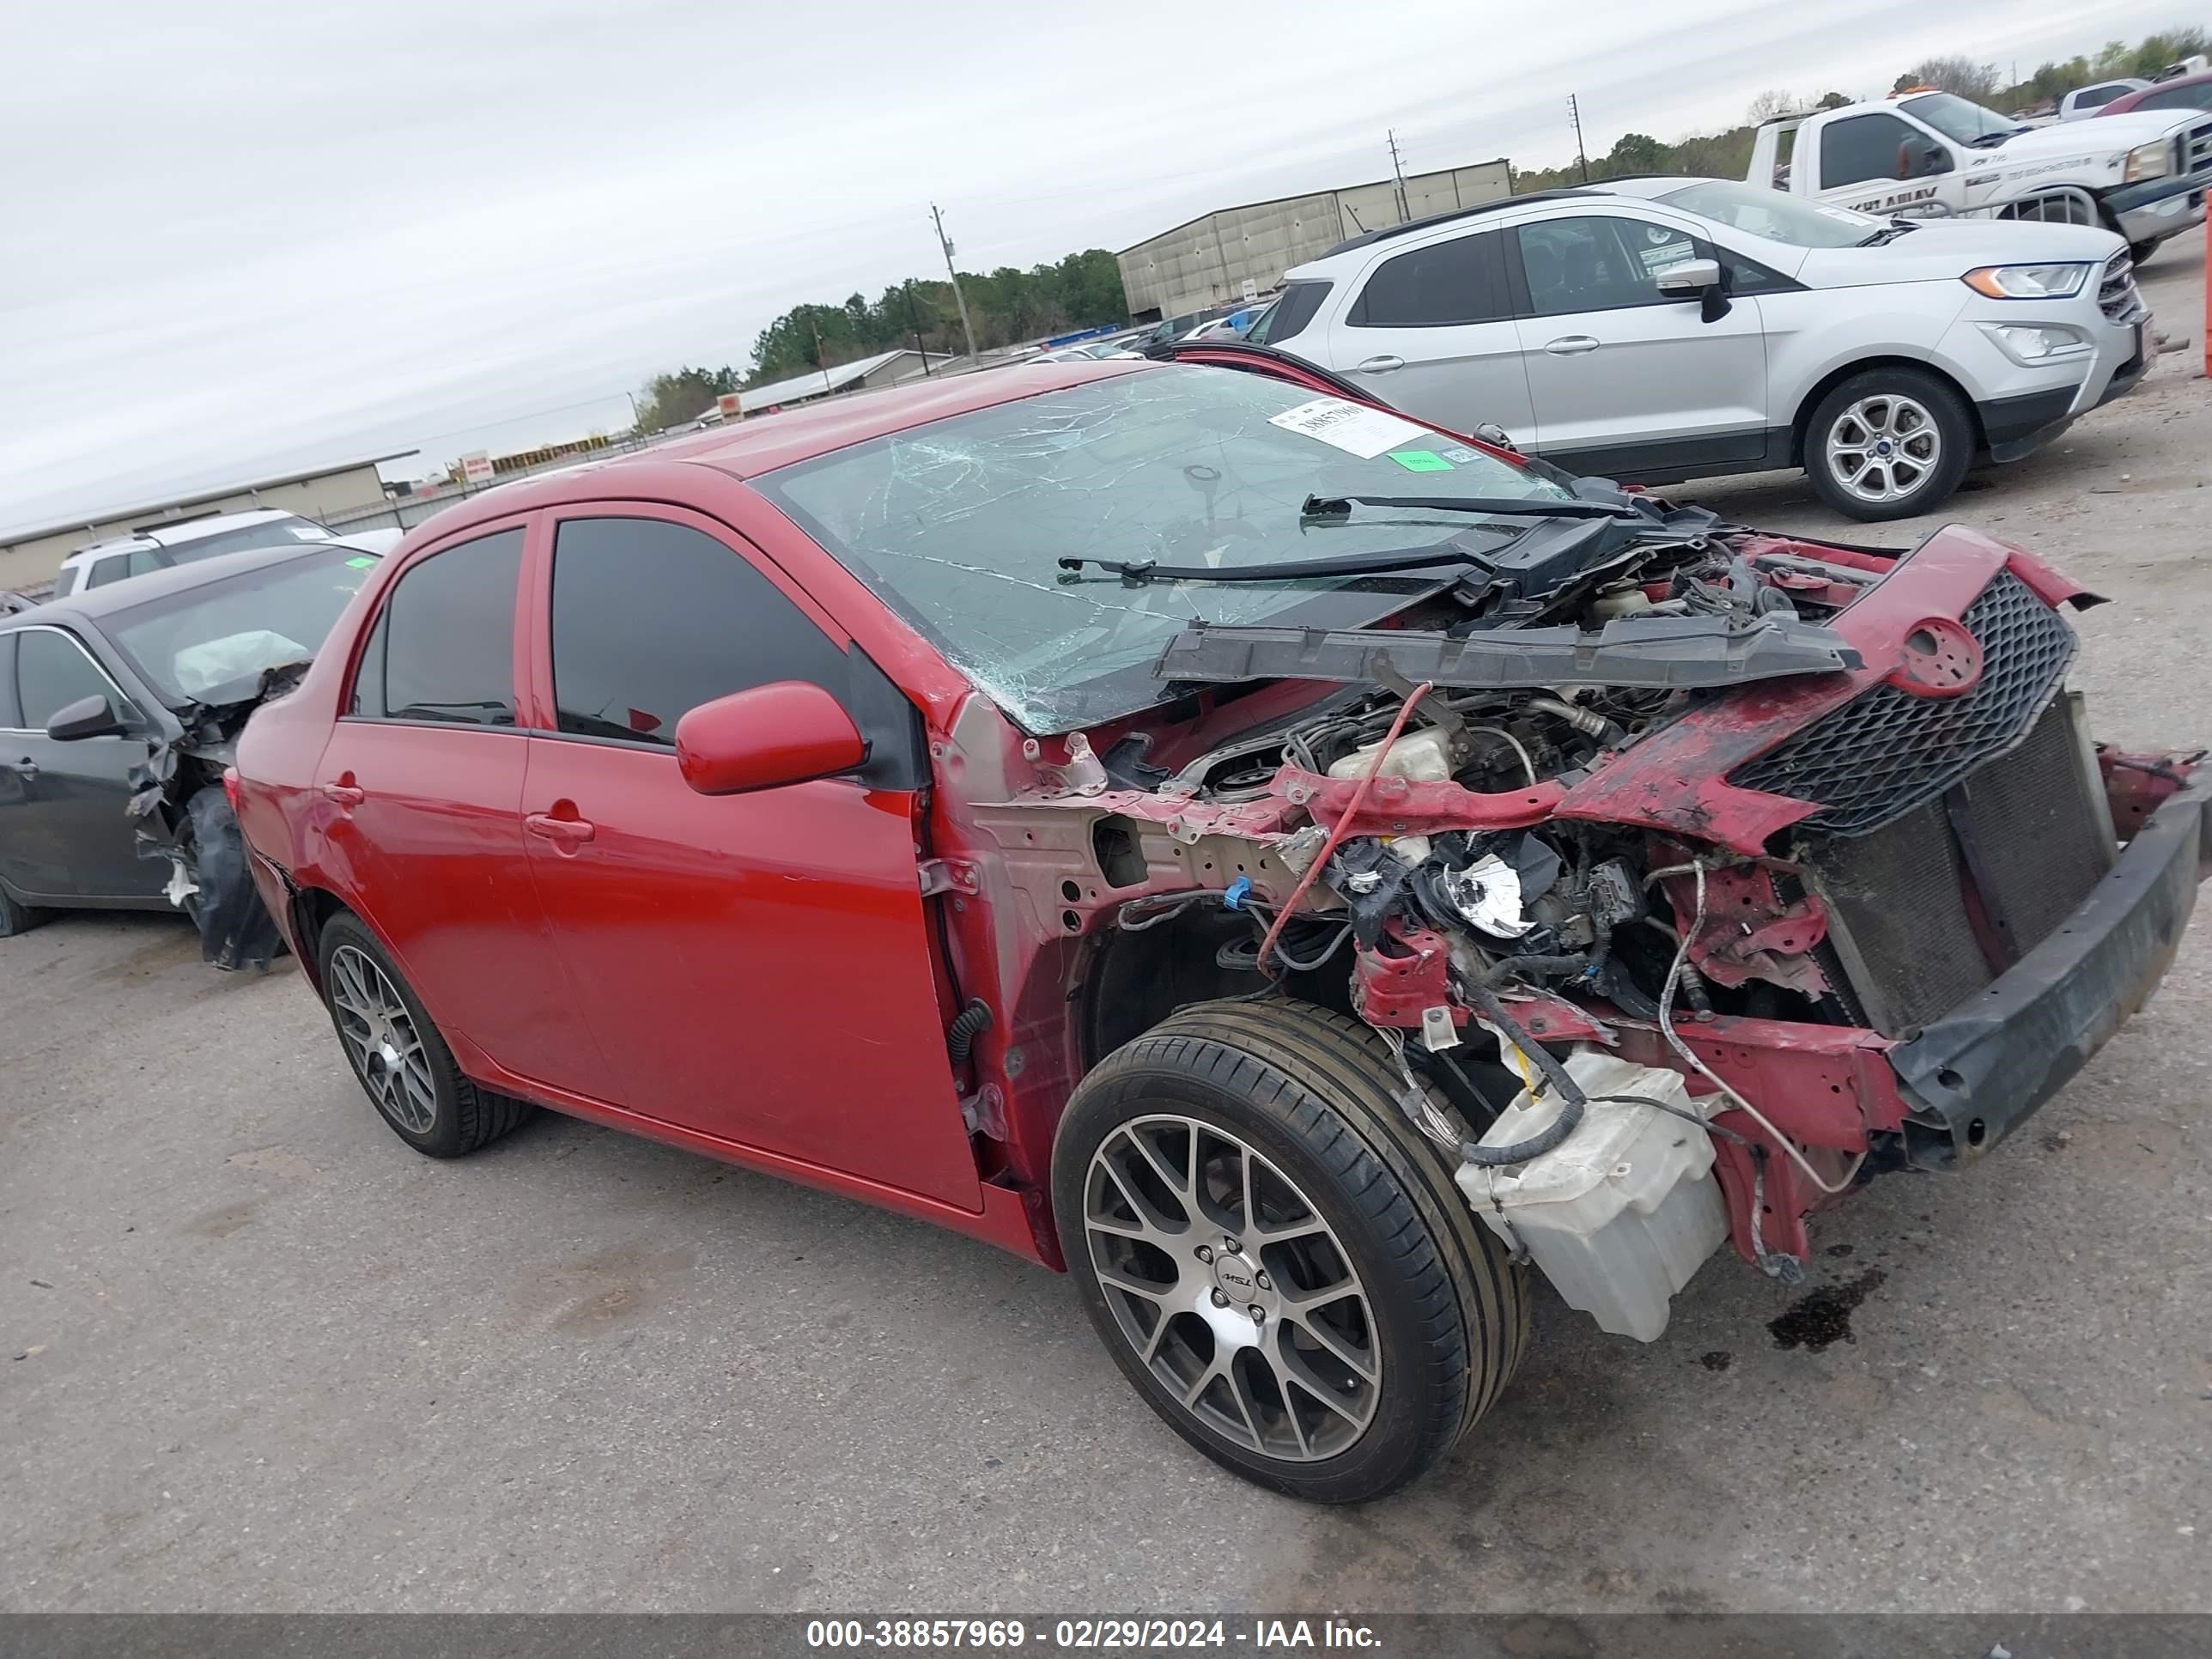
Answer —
(1978, 1072)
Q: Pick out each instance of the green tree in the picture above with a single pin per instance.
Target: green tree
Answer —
(1638, 152)
(668, 400)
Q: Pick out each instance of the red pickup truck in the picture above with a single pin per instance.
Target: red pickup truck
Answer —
(1296, 869)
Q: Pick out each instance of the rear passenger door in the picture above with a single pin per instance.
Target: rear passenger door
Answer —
(1430, 331)
(423, 783)
(1629, 381)
(757, 968)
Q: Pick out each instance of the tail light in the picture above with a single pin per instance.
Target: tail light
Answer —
(230, 787)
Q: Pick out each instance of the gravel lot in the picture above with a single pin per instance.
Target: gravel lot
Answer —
(257, 1355)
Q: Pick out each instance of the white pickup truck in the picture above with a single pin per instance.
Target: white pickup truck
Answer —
(1933, 154)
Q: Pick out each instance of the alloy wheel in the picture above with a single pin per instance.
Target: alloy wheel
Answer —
(381, 1041)
(1237, 1296)
(1883, 447)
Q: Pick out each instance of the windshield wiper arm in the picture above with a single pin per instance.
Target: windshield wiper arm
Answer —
(1354, 564)
(1888, 233)
(1503, 507)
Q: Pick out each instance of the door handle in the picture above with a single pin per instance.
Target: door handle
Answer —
(1572, 345)
(26, 769)
(345, 794)
(570, 831)
(1380, 365)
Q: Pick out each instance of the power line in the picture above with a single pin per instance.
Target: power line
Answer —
(958, 299)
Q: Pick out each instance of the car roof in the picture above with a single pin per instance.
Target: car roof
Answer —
(2130, 101)
(183, 531)
(1651, 186)
(1413, 226)
(97, 602)
(762, 443)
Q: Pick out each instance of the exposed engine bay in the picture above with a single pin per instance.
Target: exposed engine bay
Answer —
(180, 811)
(1651, 833)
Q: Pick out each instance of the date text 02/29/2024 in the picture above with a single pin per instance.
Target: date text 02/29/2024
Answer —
(1088, 1634)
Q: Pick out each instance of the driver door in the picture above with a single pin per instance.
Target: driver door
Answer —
(65, 834)
(757, 968)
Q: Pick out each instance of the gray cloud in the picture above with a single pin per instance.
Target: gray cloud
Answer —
(241, 237)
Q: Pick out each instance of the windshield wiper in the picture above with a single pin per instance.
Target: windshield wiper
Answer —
(1888, 233)
(1355, 564)
(1570, 517)
(1503, 507)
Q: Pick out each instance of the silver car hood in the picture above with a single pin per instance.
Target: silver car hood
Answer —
(1940, 248)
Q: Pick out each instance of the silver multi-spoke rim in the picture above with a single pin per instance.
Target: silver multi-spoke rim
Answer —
(1235, 1293)
(1884, 448)
(381, 1041)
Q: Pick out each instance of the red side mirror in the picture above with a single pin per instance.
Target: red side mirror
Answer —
(772, 735)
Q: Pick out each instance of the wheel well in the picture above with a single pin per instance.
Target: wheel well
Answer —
(314, 908)
(1836, 377)
(1137, 980)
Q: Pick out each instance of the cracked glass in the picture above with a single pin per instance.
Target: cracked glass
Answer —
(958, 524)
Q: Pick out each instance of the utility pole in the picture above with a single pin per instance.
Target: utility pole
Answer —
(1398, 172)
(636, 420)
(821, 359)
(914, 321)
(1575, 114)
(958, 299)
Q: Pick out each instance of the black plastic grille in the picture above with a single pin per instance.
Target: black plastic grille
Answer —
(2198, 154)
(1886, 751)
(2117, 295)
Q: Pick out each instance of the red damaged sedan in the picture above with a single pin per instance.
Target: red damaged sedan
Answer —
(1297, 870)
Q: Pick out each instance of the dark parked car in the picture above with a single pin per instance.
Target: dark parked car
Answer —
(118, 710)
(1289, 865)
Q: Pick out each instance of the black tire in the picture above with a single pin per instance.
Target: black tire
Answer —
(463, 1116)
(2139, 252)
(1314, 1092)
(1946, 416)
(16, 917)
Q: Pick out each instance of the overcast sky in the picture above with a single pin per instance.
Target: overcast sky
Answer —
(238, 236)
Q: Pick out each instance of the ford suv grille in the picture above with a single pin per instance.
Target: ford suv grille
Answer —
(2116, 290)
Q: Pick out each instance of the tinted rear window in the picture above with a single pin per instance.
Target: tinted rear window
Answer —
(449, 635)
(1298, 304)
(1461, 281)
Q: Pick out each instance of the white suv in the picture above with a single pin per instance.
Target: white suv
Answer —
(1654, 330)
(158, 546)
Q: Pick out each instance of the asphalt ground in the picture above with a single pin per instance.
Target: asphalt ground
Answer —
(255, 1354)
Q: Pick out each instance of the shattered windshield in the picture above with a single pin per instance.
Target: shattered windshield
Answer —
(210, 644)
(958, 524)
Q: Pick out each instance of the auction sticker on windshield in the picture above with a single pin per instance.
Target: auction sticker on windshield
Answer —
(1366, 433)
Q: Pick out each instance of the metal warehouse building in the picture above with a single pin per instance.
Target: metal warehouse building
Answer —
(1208, 260)
(29, 557)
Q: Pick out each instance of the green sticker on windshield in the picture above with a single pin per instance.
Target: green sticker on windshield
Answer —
(1421, 460)
(360, 563)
